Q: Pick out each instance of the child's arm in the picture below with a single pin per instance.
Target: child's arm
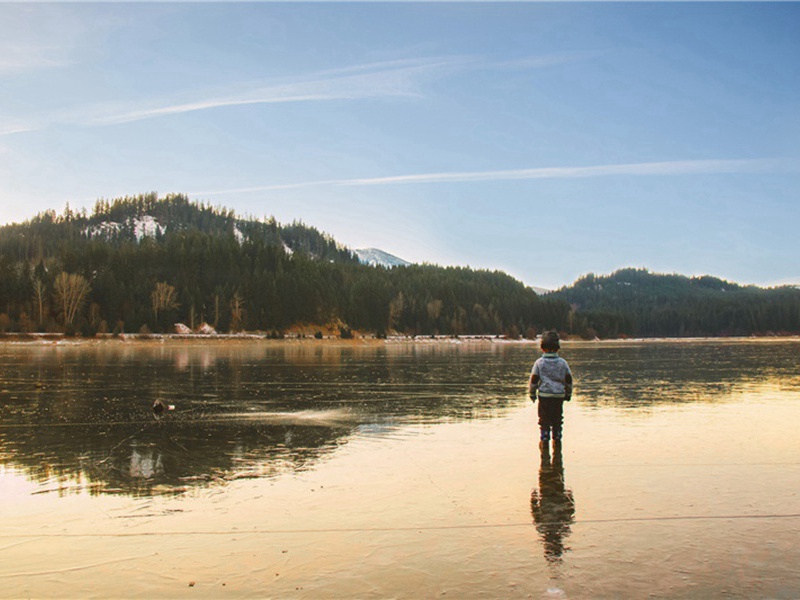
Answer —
(568, 386)
(533, 383)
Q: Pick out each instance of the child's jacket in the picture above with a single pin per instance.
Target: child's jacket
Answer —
(552, 371)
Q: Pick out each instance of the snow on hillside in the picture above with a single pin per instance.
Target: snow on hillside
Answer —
(105, 230)
(147, 226)
(378, 258)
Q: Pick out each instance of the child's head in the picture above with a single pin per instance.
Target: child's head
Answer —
(550, 342)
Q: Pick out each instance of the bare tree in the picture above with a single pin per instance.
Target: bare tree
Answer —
(71, 290)
(163, 298)
(434, 308)
(39, 292)
(237, 312)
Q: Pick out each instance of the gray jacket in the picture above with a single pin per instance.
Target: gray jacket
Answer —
(552, 371)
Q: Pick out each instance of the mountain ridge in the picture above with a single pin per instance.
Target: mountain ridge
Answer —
(657, 304)
(145, 261)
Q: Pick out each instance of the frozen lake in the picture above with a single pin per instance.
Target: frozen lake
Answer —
(407, 470)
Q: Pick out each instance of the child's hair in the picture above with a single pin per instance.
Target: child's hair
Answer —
(550, 342)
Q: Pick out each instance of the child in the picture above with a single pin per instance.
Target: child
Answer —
(552, 379)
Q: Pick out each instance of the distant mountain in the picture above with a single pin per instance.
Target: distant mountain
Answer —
(378, 258)
(640, 303)
(634, 287)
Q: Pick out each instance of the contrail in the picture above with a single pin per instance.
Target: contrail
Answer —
(664, 168)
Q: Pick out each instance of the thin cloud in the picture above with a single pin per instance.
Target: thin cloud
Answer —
(395, 78)
(12, 128)
(18, 59)
(382, 82)
(388, 79)
(664, 168)
(685, 167)
(400, 78)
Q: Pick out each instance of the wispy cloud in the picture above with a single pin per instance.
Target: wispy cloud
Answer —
(684, 167)
(400, 78)
(15, 58)
(12, 127)
(367, 81)
(665, 168)
(388, 79)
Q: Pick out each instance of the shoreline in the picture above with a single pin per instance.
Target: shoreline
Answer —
(178, 338)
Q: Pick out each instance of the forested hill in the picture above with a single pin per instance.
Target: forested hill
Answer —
(133, 219)
(144, 264)
(640, 303)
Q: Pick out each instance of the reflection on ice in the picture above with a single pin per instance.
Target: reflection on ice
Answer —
(321, 418)
(402, 473)
(145, 463)
(552, 504)
(239, 411)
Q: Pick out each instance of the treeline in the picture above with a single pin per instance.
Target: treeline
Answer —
(636, 302)
(143, 264)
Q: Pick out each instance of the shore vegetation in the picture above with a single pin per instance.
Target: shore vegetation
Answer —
(148, 265)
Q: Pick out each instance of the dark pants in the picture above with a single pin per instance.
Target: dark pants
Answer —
(551, 414)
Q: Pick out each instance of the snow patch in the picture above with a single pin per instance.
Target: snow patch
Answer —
(237, 233)
(378, 258)
(147, 226)
(105, 230)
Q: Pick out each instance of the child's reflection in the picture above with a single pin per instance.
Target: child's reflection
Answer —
(552, 504)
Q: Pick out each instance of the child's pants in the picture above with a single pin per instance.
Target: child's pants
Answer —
(551, 414)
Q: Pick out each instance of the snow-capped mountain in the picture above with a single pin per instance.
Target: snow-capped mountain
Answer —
(378, 258)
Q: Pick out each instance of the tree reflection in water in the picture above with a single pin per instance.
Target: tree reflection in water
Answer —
(552, 504)
(166, 458)
(80, 418)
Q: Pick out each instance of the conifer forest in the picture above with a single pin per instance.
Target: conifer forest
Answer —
(142, 264)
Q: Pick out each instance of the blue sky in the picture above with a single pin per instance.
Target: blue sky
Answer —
(547, 140)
